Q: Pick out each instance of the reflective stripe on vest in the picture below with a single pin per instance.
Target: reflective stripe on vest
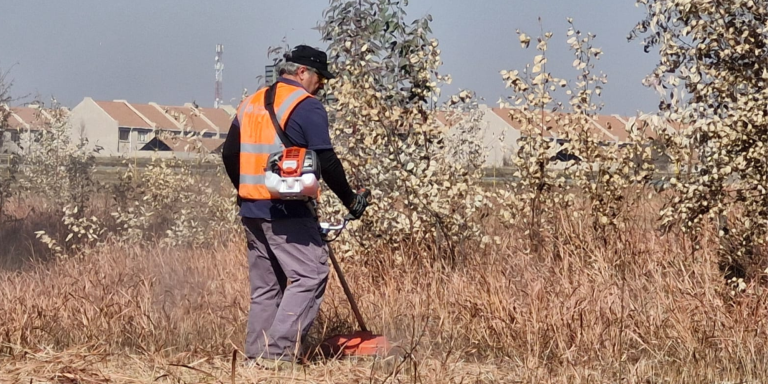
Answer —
(251, 179)
(258, 138)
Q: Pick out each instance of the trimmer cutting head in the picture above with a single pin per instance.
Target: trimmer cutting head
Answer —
(358, 344)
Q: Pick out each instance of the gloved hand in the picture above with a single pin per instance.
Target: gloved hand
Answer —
(358, 205)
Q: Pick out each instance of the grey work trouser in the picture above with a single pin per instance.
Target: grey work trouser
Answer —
(281, 251)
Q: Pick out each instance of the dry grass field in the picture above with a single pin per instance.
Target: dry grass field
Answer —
(636, 308)
(152, 287)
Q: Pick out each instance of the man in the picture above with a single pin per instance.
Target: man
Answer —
(284, 244)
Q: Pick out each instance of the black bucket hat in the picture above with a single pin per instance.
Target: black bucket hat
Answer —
(311, 57)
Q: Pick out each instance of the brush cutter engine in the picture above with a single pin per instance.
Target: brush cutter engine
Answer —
(293, 174)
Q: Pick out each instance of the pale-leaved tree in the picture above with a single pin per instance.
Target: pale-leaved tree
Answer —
(712, 76)
(60, 173)
(8, 175)
(563, 156)
(174, 202)
(5, 100)
(385, 118)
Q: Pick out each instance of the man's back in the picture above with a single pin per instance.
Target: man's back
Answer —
(306, 127)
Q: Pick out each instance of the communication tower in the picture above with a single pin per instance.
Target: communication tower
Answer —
(219, 75)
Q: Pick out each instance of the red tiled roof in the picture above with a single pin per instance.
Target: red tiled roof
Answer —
(15, 123)
(218, 117)
(156, 116)
(449, 118)
(504, 113)
(614, 126)
(32, 118)
(167, 117)
(188, 118)
(606, 127)
(123, 114)
(443, 118)
(644, 123)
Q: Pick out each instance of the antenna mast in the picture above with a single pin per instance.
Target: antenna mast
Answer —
(219, 75)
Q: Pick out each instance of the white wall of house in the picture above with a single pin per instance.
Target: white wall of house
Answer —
(88, 120)
(130, 140)
(28, 141)
(499, 139)
(10, 141)
(23, 141)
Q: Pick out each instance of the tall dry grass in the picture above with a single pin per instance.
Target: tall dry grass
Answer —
(636, 308)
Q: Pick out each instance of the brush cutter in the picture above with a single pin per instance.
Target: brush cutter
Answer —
(363, 342)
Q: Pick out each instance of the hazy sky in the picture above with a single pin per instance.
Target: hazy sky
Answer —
(163, 51)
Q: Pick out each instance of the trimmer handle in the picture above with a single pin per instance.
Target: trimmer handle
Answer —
(366, 193)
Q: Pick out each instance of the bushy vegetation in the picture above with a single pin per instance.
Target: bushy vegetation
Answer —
(386, 88)
(581, 271)
(8, 179)
(169, 201)
(712, 76)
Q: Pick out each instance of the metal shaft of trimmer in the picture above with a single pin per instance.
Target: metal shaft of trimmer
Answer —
(347, 291)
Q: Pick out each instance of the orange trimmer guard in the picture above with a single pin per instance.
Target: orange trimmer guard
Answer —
(360, 343)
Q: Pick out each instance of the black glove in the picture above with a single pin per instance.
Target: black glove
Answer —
(358, 206)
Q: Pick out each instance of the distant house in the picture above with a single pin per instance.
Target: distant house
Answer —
(26, 123)
(121, 128)
(501, 133)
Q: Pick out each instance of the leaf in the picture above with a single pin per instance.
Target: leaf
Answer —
(525, 40)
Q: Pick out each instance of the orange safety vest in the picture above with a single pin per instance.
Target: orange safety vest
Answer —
(258, 138)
